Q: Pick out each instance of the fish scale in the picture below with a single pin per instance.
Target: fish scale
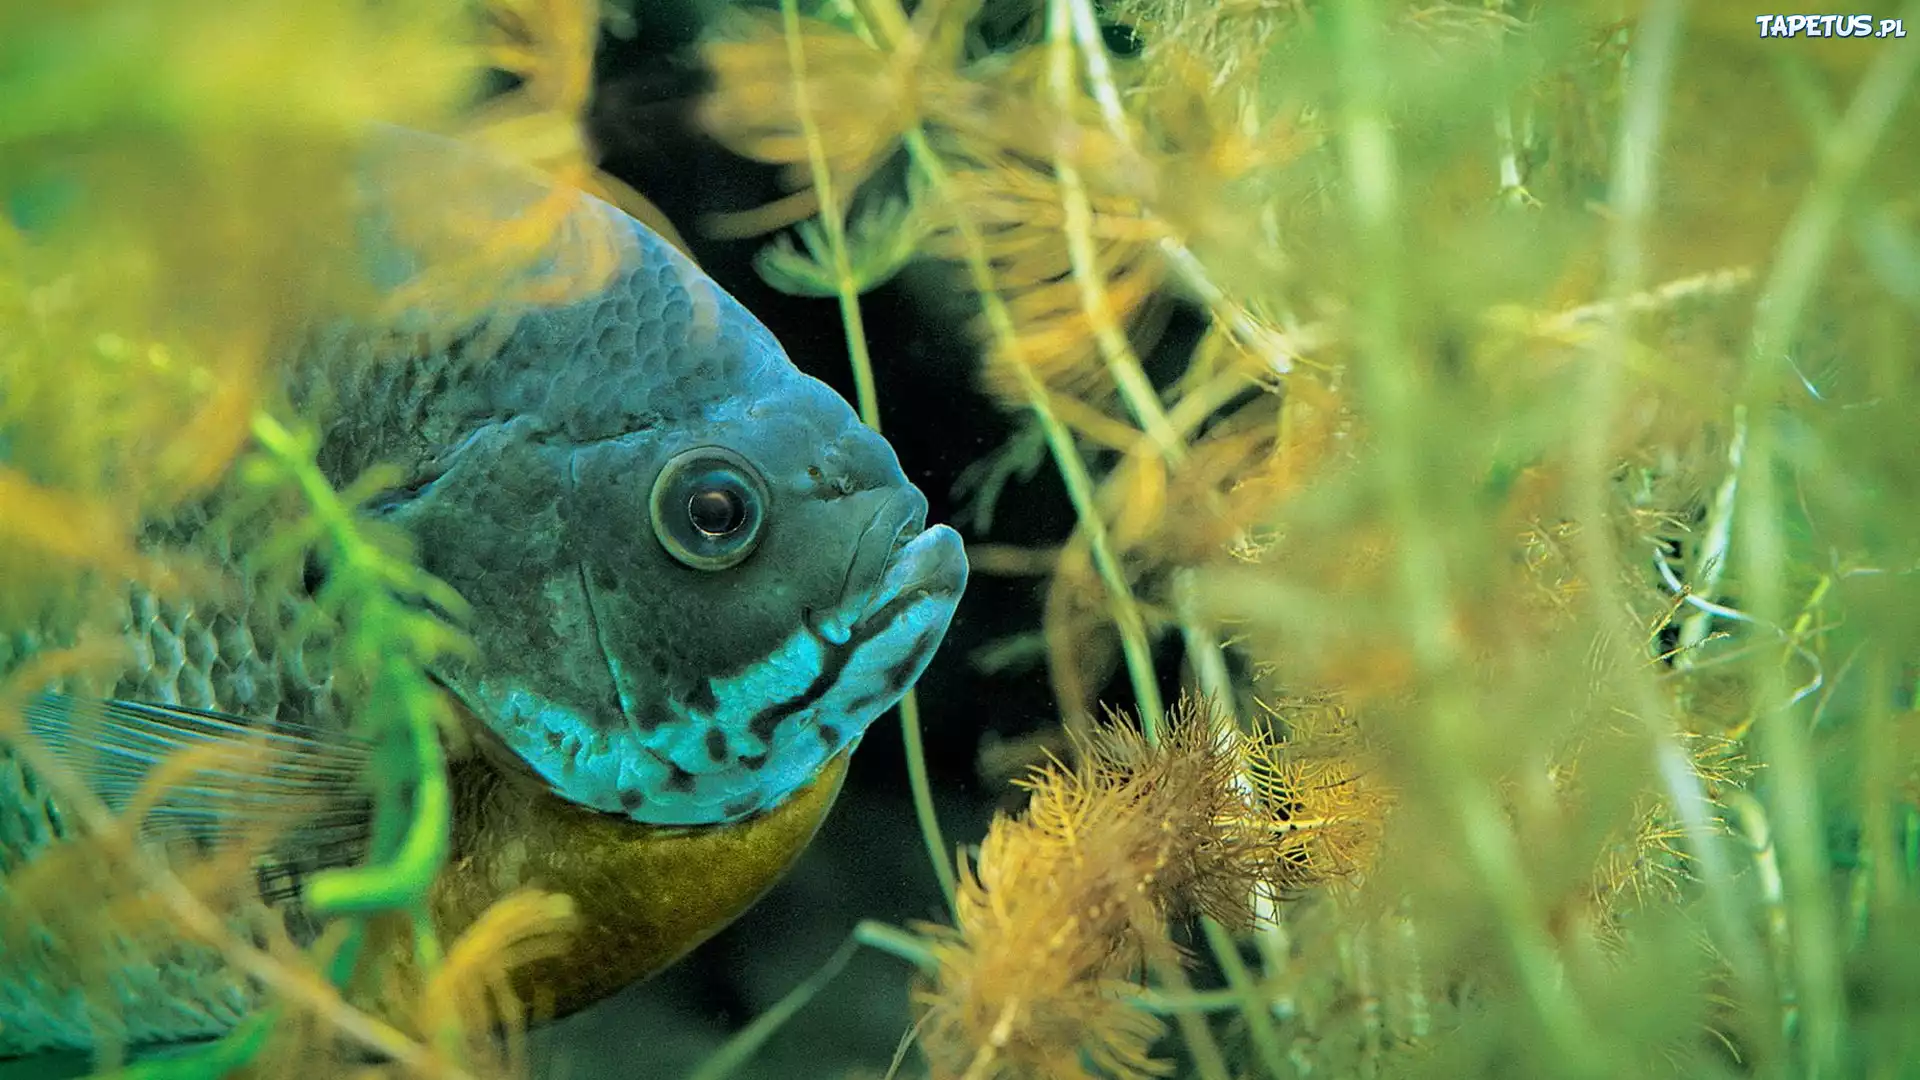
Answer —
(660, 714)
(168, 990)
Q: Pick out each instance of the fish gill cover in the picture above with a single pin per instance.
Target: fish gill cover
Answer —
(1509, 579)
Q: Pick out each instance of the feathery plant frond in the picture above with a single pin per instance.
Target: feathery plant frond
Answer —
(1532, 507)
(173, 183)
(1063, 902)
(1517, 465)
(549, 46)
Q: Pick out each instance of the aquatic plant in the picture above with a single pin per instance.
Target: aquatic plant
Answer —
(1533, 511)
(1062, 903)
(1524, 437)
(174, 181)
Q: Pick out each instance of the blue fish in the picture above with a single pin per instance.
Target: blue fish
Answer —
(695, 579)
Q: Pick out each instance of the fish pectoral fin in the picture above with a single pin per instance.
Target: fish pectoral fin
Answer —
(210, 779)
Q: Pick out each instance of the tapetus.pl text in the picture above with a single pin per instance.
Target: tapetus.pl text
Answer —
(1859, 26)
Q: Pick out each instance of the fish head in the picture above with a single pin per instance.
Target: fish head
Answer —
(696, 576)
(761, 586)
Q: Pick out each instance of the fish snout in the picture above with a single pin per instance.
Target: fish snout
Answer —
(900, 518)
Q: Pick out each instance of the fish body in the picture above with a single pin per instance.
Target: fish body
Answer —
(695, 578)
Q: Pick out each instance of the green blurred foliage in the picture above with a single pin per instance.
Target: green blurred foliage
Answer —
(1571, 505)
(1554, 430)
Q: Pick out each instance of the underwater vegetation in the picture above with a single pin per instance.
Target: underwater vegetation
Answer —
(1477, 641)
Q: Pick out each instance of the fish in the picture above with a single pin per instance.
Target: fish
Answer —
(693, 579)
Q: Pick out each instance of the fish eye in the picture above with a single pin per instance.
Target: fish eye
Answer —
(708, 506)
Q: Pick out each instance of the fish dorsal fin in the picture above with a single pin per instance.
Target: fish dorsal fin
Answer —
(207, 779)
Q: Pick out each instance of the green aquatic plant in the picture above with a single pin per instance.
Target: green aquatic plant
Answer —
(173, 181)
(352, 814)
(1517, 436)
(1534, 508)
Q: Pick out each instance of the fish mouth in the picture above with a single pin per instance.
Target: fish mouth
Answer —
(900, 518)
(923, 564)
(896, 557)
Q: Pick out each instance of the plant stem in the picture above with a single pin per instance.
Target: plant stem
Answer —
(1655, 44)
(1122, 365)
(854, 324)
(1387, 377)
(407, 870)
(918, 783)
(1786, 746)
(1121, 605)
(832, 220)
(1208, 1061)
(1248, 995)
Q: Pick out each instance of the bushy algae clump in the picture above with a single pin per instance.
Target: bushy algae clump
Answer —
(1065, 902)
(1545, 429)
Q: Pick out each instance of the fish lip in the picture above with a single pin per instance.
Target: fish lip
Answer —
(900, 518)
(929, 563)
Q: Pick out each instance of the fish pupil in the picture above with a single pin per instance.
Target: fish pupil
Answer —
(716, 511)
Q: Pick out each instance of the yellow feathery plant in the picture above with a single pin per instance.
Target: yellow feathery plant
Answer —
(1065, 902)
(1544, 424)
(549, 46)
(174, 183)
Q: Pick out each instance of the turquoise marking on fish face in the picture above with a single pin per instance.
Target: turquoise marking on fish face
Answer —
(696, 576)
